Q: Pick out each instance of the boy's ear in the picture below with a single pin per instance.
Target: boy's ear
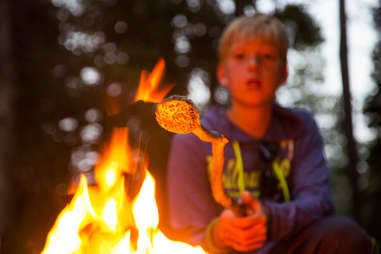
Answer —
(221, 75)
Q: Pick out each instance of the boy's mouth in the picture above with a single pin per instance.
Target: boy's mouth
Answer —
(253, 83)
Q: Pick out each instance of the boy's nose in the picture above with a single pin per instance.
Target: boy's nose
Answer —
(253, 61)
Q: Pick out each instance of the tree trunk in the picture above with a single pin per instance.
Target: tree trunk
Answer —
(239, 5)
(348, 125)
(6, 117)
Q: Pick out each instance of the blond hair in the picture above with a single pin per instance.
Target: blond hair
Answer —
(259, 26)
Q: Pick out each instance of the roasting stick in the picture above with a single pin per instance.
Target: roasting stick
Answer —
(179, 115)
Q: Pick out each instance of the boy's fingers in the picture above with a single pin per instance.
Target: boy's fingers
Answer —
(227, 213)
(246, 197)
(250, 202)
(249, 245)
(258, 230)
(242, 238)
(255, 205)
(248, 222)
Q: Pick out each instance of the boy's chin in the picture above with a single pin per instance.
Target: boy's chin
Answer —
(260, 103)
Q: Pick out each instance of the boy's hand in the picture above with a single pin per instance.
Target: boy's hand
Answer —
(242, 233)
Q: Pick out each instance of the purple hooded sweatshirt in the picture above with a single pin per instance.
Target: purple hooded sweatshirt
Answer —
(191, 203)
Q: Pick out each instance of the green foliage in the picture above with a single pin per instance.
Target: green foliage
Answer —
(304, 30)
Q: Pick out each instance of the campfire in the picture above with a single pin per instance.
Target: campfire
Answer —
(106, 218)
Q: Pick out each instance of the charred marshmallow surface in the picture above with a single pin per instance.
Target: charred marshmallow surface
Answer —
(178, 115)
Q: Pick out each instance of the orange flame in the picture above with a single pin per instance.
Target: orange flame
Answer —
(148, 90)
(104, 220)
(115, 161)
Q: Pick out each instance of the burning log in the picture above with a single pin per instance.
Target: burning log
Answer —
(137, 109)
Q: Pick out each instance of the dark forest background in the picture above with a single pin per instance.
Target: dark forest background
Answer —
(61, 62)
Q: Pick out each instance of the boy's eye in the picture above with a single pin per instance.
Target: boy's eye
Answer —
(268, 56)
(239, 56)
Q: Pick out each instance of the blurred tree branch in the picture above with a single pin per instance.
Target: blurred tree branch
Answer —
(348, 124)
(372, 109)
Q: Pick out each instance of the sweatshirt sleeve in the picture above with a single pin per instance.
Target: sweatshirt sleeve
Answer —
(191, 203)
(309, 184)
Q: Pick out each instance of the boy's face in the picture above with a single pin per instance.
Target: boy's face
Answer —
(252, 71)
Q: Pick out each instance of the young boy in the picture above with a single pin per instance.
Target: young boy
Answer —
(274, 161)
